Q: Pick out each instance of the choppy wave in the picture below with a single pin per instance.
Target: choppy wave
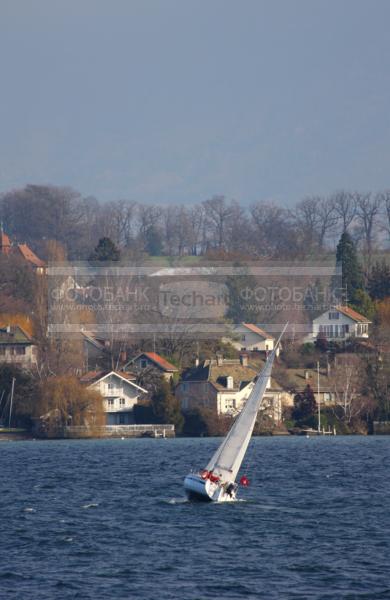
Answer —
(106, 520)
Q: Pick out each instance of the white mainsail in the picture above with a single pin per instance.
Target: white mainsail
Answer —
(227, 459)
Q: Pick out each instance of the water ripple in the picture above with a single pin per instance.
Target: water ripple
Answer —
(108, 520)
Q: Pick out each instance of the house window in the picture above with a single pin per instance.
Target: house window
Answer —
(2, 351)
(144, 363)
(243, 338)
(110, 402)
(20, 350)
(334, 315)
(230, 403)
(110, 386)
(122, 401)
(121, 419)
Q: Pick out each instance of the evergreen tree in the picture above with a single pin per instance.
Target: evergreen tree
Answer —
(154, 244)
(24, 399)
(352, 276)
(379, 281)
(105, 251)
(363, 304)
(314, 299)
(304, 405)
(242, 300)
(166, 407)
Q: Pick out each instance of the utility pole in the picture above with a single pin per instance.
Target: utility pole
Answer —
(10, 406)
(318, 398)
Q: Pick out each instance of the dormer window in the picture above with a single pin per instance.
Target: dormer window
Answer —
(334, 315)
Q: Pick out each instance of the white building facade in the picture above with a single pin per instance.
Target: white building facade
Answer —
(340, 323)
(120, 395)
(252, 338)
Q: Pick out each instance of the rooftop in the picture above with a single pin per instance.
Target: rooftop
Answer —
(258, 330)
(161, 362)
(295, 379)
(352, 314)
(93, 376)
(216, 374)
(23, 250)
(5, 243)
(13, 334)
(29, 255)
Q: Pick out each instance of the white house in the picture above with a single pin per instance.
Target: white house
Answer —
(120, 394)
(251, 337)
(340, 323)
(223, 385)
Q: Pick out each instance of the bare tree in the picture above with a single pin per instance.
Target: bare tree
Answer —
(197, 234)
(36, 213)
(171, 229)
(308, 220)
(327, 220)
(345, 208)
(273, 231)
(218, 219)
(238, 227)
(183, 231)
(367, 210)
(122, 217)
(347, 388)
(385, 203)
(268, 224)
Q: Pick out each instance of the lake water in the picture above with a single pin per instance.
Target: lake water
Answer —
(107, 519)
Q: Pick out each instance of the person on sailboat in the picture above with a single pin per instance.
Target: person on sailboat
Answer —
(231, 488)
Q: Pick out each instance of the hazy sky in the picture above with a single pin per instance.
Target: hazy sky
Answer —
(178, 100)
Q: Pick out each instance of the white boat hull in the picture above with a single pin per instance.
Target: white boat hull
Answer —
(204, 490)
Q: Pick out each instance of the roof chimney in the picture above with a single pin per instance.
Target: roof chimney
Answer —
(307, 375)
(197, 361)
(229, 382)
(219, 360)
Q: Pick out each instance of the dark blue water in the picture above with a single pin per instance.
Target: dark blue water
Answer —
(106, 519)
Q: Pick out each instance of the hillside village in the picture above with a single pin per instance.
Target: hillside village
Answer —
(332, 373)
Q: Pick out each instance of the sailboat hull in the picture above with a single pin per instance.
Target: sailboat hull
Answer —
(204, 490)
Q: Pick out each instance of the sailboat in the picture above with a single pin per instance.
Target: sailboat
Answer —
(217, 481)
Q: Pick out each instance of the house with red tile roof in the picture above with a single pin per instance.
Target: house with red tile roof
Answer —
(7, 248)
(27, 254)
(153, 360)
(119, 391)
(5, 243)
(340, 323)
